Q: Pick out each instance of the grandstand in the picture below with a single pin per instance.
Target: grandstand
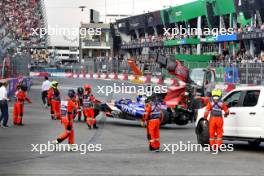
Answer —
(143, 32)
(17, 19)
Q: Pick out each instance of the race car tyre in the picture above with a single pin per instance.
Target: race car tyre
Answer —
(97, 109)
(104, 107)
(165, 118)
(181, 122)
(182, 119)
(202, 132)
(255, 143)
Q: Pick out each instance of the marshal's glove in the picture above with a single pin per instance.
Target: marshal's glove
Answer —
(142, 123)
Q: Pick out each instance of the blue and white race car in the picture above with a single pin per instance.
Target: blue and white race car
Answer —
(135, 110)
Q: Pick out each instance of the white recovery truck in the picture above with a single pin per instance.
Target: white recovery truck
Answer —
(245, 121)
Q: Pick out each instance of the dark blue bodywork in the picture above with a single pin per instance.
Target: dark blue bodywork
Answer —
(137, 109)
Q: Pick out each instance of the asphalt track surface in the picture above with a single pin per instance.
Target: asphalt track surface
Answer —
(124, 146)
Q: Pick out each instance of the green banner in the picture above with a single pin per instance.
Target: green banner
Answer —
(210, 39)
(195, 9)
(193, 58)
(187, 11)
(192, 41)
(173, 42)
(223, 7)
(242, 20)
(188, 41)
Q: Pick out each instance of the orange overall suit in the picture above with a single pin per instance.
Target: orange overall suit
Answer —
(80, 106)
(216, 121)
(68, 114)
(88, 110)
(54, 101)
(152, 117)
(18, 112)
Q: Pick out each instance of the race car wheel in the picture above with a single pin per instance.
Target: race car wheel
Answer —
(182, 119)
(165, 119)
(96, 110)
(202, 132)
(255, 143)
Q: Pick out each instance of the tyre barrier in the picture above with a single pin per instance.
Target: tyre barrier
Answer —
(147, 79)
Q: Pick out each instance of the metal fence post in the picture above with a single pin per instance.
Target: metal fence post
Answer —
(233, 73)
(246, 73)
(261, 72)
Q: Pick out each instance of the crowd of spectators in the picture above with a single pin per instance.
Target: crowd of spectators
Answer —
(242, 58)
(251, 28)
(148, 39)
(18, 18)
(40, 55)
(170, 36)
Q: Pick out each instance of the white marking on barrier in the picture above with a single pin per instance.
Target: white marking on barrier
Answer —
(75, 76)
(81, 76)
(58, 74)
(142, 78)
(96, 76)
(131, 77)
(88, 76)
(68, 75)
(121, 76)
(168, 81)
(34, 73)
(154, 80)
(112, 76)
(103, 76)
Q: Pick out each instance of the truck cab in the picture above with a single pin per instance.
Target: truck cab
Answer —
(204, 79)
(245, 121)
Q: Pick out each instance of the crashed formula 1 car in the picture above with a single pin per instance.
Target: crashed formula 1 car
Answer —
(134, 110)
(177, 105)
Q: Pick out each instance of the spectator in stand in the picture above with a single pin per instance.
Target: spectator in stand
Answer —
(256, 59)
(262, 56)
(262, 27)
(18, 18)
(240, 30)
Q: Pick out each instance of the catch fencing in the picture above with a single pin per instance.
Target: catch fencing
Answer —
(241, 73)
(16, 66)
(238, 73)
(110, 66)
(20, 64)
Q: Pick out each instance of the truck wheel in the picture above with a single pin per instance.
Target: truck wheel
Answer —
(255, 143)
(202, 132)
